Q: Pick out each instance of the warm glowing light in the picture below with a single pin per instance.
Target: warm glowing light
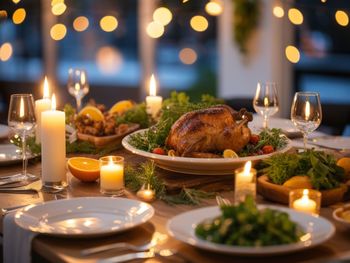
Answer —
(53, 102)
(58, 9)
(58, 32)
(81, 23)
(292, 54)
(214, 7)
(199, 23)
(323, 1)
(21, 108)
(342, 18)
(295, 16)
(46, 93)
(55, 2)
(155, 29)
(108, 23)
(109, 60)
(16, 1)
(247, 168)
(6, 51)
(82, 78)
(3, 14)
(278, 11)
(266, 102)
(152, 86)
(18, 16)
(77, 86)
(188, 56)
(162, 15)
(307, 110)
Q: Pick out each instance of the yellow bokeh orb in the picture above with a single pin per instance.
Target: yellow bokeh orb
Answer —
(18, 16)
(342, 18)
(292, 54)
(55, 2)
(155, 29)
(214, 8)
(188, 56)
(295, 16)
(108, 23)
(6, 51)
(199, 23)
(3, 14)
(162, 15)
(109, 60)
(58, 9)
(58, 32)
(81, 23)
(278, 11)
(16, 1)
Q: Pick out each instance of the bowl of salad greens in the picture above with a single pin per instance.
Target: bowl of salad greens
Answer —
(249, 229)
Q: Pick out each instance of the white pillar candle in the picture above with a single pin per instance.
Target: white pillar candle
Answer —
(53, 145)
(305, 204)
(40, 106)
(153, 102)
(245, 182)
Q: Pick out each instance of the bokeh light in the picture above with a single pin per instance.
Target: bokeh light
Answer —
(58, 9)
(214, 7)
(278, 11)
(3, 14)
(295, 16)
(109, 60)
(199, 23)
(55, 2)
(16, 1)
(162, 15)
(188, 56)
(58, 32)
(108, 23)
(18, 16)
(292, 54)
(342, 18)
(155, 29)
(81, 23)
(6, 51)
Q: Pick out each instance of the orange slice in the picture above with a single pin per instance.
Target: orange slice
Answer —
(84, 169)
(93, 112)
(228, 153)
(121, 106)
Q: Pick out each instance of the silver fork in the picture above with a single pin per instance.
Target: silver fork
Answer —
(222, 201)
(120, 246)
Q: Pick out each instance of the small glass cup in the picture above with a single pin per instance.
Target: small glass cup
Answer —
(305, 200)
(112, 175)
(245, 183)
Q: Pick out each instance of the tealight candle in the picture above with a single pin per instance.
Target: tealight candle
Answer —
(41, 105)
(147, 195)
(245, 182)
(53, 148)
(112, 175)
(305, 200)
(153, 102)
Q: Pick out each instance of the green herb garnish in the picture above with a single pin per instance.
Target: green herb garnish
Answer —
(136, 114)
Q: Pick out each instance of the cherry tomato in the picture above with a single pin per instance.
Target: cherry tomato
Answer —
(268, 149)
(254, 139)
(158, 151)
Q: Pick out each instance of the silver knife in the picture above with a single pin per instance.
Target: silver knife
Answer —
(128, 257)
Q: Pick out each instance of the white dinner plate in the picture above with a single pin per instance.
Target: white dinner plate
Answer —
(10, 154)
(333, 142)
(182, 228)
(4, 131)
(199, 166)
(84, 217)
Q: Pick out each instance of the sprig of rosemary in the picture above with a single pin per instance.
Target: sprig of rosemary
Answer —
(145, 174)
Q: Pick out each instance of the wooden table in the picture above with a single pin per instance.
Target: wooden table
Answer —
(68, 250)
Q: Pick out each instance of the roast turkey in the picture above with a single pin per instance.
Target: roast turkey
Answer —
(210, 130)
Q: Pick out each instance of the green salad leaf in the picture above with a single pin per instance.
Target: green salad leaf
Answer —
(136, 114)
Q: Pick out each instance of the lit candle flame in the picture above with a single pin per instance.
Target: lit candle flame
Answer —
(110, 160)
(247, 167)
(305, 192)
(21, 108)
(77, 87)
(53, 102)
(307, 110)
(46, 93)
(152, 86)
(266, 102)
(82, 78)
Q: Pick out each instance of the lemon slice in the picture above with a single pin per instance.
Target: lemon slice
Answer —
(228, 153)
(121, 106)
(171, 153)
(93, 112)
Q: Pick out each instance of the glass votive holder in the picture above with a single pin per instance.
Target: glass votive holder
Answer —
(245, 183)
(305, 200)
(112, 175)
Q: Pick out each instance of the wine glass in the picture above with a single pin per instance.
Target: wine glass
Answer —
(306, 112)
(265, 101)
(21, 119)
(78, 85)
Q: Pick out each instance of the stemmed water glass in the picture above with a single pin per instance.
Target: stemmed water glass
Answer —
(265, 101)
(21, 119)
(306, 112)
(78, 85)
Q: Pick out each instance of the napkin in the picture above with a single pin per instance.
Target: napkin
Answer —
(17, 242)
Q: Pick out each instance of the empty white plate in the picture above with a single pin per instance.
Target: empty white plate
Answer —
(84, 217)
(10, 154)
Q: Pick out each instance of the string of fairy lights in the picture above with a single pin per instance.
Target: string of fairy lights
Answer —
(162, 16)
